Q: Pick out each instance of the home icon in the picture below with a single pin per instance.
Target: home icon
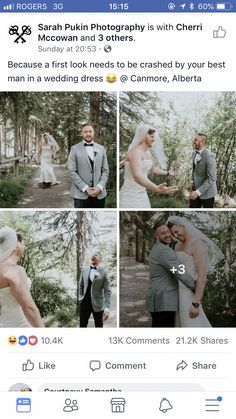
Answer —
(118, 405)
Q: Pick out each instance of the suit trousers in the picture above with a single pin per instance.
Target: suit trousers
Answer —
(202, 203)
(85, 312)
(86, 309)
(163, 319)
(90, 202)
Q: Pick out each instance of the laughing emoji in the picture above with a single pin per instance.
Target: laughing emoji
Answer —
(111, 78)
(12, 340)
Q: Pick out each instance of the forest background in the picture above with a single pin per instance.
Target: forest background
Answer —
(58, 245)
(24, 116)
(178, 117)
(137, 239)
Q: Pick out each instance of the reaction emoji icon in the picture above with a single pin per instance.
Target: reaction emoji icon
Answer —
(12, 340)
(111, 78)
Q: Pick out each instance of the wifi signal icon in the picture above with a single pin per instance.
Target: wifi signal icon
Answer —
(8, 7)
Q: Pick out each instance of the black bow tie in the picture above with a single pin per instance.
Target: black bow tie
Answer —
(197, 152)
(93, 267)
(88, 145)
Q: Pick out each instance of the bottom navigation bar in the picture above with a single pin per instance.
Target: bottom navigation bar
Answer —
(130, 404)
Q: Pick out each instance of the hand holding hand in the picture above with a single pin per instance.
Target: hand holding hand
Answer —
(94, 192)
(193, 195)
(193, 312)
(89, 191)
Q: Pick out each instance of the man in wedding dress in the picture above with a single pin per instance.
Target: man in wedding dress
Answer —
(203, 187)
(94, 293)
(88, 168)
(165, 272)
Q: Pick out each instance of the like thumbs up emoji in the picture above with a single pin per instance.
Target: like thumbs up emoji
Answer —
(219, 33)
(28, 366)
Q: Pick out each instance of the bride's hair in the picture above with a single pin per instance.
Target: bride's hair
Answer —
(157, 149)
(151, 131)
(214, 253)
(171, 224)
(19, 237)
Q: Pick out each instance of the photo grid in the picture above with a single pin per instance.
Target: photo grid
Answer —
(117, 216)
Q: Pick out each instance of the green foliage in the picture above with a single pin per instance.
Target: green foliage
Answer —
(53, 300)
(137, 238)
(111, 200)
(166, 202)
(63, 318)
(221, 126)
(27, 115)
(40, 256)
(11, 189)
(178, 117)
(57, 246)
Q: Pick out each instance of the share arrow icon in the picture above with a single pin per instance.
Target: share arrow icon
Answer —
(182, 365)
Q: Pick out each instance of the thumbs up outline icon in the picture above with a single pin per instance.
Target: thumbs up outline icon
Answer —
(219, 33)
(28, 366)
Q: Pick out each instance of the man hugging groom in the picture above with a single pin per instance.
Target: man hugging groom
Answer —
(162, 295)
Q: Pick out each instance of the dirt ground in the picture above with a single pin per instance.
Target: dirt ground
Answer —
(133, 285)
(57, 196)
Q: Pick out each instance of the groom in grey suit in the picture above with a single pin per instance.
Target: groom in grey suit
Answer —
(94, 293)
(162, 294)
(203, 187)
(89, 171)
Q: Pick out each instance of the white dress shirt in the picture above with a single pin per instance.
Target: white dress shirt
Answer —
(90, 152)
(197, 158)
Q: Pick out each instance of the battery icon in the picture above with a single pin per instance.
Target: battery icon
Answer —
(224, 6)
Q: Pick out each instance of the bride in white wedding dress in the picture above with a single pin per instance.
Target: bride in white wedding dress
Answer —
(198, 255)
(17, 308)
(47, 152)
(139, 163)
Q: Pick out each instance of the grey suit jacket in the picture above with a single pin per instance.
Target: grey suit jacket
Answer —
(204, 175)
(100, 289)
(162, 294)
(81, 172)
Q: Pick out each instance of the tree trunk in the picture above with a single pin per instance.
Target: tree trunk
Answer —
(80, 244)
(136, 244)
(95, 113)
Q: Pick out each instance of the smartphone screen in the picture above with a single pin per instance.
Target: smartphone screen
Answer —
(117, 209)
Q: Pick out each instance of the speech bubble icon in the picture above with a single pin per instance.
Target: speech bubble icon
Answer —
(95, 365)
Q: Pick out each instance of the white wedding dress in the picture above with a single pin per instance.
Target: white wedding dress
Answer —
(47, 172)
(186, 297)
(11, 313)
(133, 195)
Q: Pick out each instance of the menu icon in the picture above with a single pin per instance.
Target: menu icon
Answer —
(213, 405)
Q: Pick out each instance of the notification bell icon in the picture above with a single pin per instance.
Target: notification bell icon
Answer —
(165, 405)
